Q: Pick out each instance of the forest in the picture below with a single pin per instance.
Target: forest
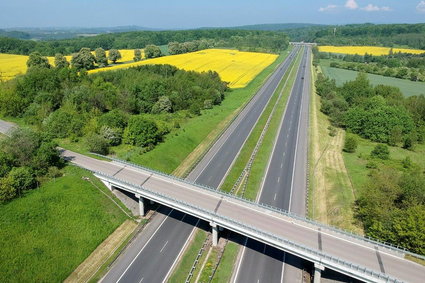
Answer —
(239, 39)
(391, 205)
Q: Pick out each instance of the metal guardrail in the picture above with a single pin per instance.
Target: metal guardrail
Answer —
(277, 210)
(213, 217)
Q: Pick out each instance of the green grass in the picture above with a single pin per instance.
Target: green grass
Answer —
(260, 162)
(182, 270)
(408, 88)
(209, 265)
(356, 162)
(225, 268)
(168, 155)
(47, 233)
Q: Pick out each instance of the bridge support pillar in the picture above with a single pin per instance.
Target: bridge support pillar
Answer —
(214, 234)
(318, 268)
(141, 205)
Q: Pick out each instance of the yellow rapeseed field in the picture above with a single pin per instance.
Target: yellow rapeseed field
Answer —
(361, 50)
(235, 67)
(12, 65)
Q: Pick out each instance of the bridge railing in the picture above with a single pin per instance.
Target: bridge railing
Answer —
(315, 255)
(398, 249)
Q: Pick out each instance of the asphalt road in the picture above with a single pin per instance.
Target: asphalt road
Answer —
(284, 187)
(229, 211)
(136, 266)
(5, 127)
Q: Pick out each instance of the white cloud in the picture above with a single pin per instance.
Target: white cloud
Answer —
(374, 8)
(351, 4)
(421, 7)
(328, 8)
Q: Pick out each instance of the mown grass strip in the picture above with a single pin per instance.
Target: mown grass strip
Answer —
(167, 156)
(185, 264)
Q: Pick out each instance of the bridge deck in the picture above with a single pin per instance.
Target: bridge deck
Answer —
(310, 235)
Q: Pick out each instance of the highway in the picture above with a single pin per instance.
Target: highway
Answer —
(171, 234)
(286, 170)
(310, 240)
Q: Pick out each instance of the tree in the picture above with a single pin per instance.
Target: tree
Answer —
(97, 144)
(174, 48)
(100, 56)
(114, 55)
(21, 146)
(84, 59)
(137, 55)
(22, 179)
(408, 143)
(36, 60)
(60, 61)
(7, 189)
(350, 144)
(141, 132)
(381, 151)
(152, 51)
(163, 105)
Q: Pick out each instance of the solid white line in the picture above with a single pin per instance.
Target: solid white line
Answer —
(278, 133)
(180, 253)
(296, 145)
(163, 247)
(283, 267)
(141, 279)
(144, 246)
(240, 261)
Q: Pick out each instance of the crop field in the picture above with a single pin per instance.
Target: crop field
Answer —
(235, 67)
(408, 88)
(361, 50)
(12, 65)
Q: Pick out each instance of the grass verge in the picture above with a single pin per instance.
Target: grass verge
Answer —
(51, 230)
(183, 268)
(167, 156)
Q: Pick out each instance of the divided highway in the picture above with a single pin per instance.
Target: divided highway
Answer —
(153, 253)
(284, 186)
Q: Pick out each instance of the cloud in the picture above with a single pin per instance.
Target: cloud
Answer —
(328, 8)
(351, 4)
(374, 8)
(421, 7)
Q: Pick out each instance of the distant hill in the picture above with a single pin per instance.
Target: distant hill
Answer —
(277, 27)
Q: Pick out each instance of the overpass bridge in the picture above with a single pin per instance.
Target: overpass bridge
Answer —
(325, 246)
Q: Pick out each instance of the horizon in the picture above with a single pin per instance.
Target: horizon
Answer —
(191, 14)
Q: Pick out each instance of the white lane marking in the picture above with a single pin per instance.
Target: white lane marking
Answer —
(180, 253)
(141, 279)
(274, 197)
(278, 179)
(281, 164)
(283, 267)
(278, 133)
(144, 246)
(240, 261)
(163, 247)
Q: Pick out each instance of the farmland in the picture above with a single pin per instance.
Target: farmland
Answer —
(12, 65)
(408, 88)
(237, 68)
(361, 50)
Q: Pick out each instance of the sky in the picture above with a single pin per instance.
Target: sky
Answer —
(175, 14)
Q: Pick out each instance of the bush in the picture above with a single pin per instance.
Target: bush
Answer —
(97, 144)
(408, 143)
(332, 131)
(350, 144)
(381, 151)
(141, 132)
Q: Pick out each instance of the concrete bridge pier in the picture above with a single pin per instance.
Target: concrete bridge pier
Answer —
(318, 268)
(215, 229)
(141, 205)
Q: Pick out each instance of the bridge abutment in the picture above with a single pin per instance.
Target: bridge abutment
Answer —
(318, 268)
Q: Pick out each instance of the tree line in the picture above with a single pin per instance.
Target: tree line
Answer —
(243, 39)
(391, 205)
(136, 106)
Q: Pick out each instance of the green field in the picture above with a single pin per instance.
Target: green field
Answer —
(47, 233)
(409, 88)
(168, 155)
